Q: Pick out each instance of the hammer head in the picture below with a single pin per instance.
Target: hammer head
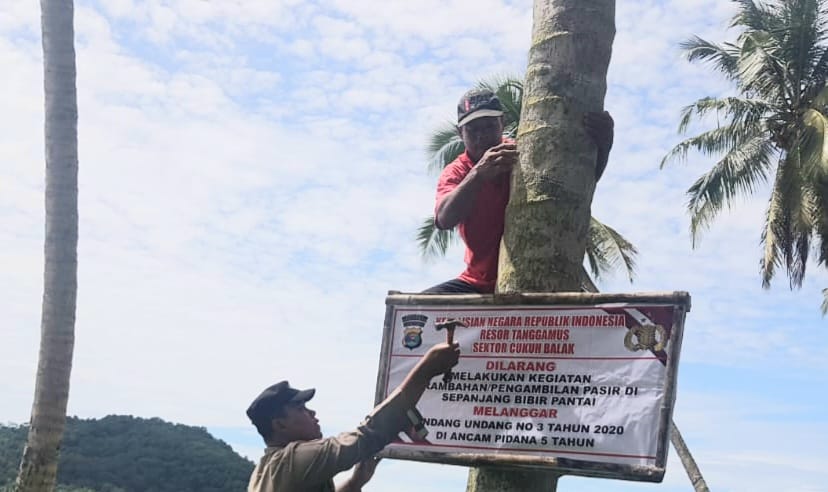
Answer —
(449, 324)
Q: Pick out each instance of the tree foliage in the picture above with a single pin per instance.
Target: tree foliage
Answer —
(129, 454)
(773, 131)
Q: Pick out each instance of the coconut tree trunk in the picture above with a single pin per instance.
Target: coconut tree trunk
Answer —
(548, 215)
(547, 218)
(504, 479)
(38, 467)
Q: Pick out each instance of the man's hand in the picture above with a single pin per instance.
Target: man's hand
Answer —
(497, 161)
(439, 359)
(364, 471)
(601, 128)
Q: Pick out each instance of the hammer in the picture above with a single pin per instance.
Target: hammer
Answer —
(449, 325)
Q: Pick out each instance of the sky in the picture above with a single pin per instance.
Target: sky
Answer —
(252, 175)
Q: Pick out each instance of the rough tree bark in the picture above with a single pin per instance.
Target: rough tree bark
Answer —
(547, 218)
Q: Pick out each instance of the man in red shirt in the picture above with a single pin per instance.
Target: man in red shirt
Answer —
(473, 190)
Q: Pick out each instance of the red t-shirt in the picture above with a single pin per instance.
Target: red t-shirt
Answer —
(483, 228)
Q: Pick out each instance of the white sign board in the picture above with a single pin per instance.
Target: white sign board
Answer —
(585, 388)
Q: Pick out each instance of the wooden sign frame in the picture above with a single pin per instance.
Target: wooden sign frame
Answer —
(680, 301)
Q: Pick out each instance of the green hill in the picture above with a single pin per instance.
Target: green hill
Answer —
(128, 454)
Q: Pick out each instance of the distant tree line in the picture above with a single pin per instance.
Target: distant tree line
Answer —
(129, 454)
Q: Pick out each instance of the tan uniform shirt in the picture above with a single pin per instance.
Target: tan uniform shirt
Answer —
(309, 466)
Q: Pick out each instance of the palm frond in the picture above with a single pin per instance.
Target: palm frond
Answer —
(700, 220)
(788, 224)
(723, 57)
(587, 285)
(773, 235)
(712, 142)
(799, 38)
(737, 173)
(607, 250)
(817, 191)
(813, 143)
(820, 100)
(819, 72)
(444, 146)
(802, 207)
(821, 247)
(755, 16)
(762, 71)
(434, 242)
(824, 306)
(597, 263)
(745, 112)
(797, 261)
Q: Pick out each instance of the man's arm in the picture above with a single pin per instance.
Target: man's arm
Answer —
(439, 359)
(457, 204)
(318, 461)
(363, 472)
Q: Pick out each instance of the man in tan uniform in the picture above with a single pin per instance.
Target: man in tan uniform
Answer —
(297, 459)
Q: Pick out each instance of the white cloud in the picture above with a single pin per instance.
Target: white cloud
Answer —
(302, 48)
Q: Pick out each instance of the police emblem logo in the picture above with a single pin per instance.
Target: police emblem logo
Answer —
(413, 330)
(646, 337)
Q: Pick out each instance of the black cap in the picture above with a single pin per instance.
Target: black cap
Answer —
(478, 103)
(275, 397)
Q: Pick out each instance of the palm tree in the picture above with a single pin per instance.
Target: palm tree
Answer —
(774, 127)
(606, 250)
(38, 467)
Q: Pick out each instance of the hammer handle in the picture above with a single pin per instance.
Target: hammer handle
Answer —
(449, 340)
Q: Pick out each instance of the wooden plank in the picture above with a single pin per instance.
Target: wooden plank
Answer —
(680, 298)
(557, 465)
